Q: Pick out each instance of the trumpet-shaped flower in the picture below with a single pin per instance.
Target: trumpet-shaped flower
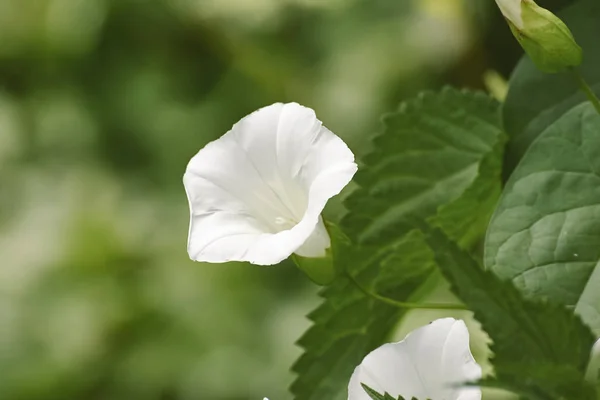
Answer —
(430, 363)
(256, 194)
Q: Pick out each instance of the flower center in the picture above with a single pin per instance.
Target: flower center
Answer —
(284, 223)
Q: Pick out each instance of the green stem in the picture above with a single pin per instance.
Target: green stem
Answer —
(405, 305)
(586, 89)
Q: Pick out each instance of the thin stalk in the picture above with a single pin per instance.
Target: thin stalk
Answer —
(586, 89)
(405, 305)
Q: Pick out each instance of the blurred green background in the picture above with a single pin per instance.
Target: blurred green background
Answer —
(102, 104)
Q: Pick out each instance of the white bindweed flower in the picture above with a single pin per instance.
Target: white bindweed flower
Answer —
(256, 194)
(430, 363)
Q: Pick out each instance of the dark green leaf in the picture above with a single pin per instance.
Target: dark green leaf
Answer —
(348, 325)
(535, 100)
(376, 396)
(519, 388)
(542, 381)
(466, 219)
(526, 334)
(545, 234)
(430, 153)
(373, 394)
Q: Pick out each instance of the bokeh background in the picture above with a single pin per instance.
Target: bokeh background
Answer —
(102, 104)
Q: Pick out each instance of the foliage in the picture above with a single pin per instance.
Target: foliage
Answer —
(427, 157)
(103, 102)
(431, 154)
(536, 344)
(543, 223)
(544, 233)
(376, 396)
(349, 324)
(536, 100)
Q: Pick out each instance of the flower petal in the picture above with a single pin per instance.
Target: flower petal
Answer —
(257, 193)
(427, 364)
(316, 242)
(512, 11)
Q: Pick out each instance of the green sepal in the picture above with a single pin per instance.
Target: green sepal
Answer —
(319, 270)
(323, 270)
(546, 39)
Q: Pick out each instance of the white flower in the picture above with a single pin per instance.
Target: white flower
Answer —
(256, 194)
(512, 11)
(430, 363)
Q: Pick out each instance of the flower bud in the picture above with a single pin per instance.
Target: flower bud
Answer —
(544, 37)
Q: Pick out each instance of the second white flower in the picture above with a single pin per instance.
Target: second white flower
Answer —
(432, 362)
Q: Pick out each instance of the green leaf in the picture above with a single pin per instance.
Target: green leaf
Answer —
(466, 219)
(348, 325)
(428, 156)
(542, 381)
(545, 233)
(531, 339)
(535, 100)
(373, 394)
(376, 396)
